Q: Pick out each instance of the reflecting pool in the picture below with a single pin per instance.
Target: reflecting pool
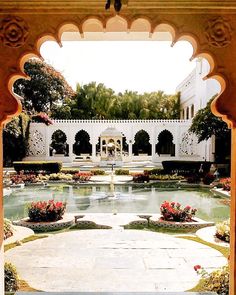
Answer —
(128, 199)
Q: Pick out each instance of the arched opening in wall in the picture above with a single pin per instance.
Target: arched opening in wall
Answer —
(59, 145)
(192, 111)
(82, 145)
(125, 146)
(165, 145)
(187, 113)
(98, 146)
(141, 144)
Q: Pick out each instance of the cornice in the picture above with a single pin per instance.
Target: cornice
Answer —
(89, 6)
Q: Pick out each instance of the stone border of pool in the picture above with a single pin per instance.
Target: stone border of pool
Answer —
(66, 222)
(197, 223)
(220, 192)
(106, 221)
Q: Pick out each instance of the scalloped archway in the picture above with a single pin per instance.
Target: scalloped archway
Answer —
(210, 34)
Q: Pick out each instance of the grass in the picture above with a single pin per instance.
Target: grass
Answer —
(25, 240)
(24, 287)
(223, 250)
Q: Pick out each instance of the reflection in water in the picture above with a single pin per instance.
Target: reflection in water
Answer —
(126, 199)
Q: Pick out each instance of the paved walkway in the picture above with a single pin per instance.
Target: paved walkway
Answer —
(208, 234)
(112, 260)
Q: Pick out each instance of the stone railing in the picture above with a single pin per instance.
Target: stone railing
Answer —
(120, 121)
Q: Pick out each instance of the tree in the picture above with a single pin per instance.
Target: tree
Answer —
(15, 139)
(205, 124)
(45, 90)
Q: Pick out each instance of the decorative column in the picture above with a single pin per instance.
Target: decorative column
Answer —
(153, 150)
(94, 151)
(130, 150)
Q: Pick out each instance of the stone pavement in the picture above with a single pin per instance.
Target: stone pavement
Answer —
(113, 260)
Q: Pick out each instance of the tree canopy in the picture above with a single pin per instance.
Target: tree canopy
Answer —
(96, 101)
(205, 124)
(45, 90)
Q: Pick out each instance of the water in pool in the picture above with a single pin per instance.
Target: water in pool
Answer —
(127, 199)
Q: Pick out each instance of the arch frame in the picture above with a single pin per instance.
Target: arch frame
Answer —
(35, 24)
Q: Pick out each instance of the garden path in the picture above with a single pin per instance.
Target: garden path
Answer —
(112, 260)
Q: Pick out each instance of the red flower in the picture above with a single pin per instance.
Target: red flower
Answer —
(187, 208)
(197, 267)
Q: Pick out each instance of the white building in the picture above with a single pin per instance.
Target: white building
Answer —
(161, 140)
(85, 140)
(195, 92)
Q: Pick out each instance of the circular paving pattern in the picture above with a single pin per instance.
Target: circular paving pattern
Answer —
(113, 261)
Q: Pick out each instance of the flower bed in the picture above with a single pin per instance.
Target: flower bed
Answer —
(8, 230)
(216, 281)
(223, 231)
(225, 183)
(46, 211)
(195, 224)
(65, 222)
(172, 211)
(82, 176)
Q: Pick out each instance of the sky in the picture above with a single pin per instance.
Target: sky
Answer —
(142, 66)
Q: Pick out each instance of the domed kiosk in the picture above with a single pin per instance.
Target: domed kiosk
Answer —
(111, 146)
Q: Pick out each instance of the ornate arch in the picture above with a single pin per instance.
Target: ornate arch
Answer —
(211, 35)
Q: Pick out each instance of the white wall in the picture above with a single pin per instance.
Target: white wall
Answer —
(186, 147)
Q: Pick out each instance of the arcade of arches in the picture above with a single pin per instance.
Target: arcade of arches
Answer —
(209, 25)
(124, 141)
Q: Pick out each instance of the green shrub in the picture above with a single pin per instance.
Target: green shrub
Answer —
(186, 167)
(155, 171)
(98, 172)
(60, 176)
(166, 177)
(70, 170)
(216, 281)
(11, 278)
(121, 172)
(8, 230)
(38, 166)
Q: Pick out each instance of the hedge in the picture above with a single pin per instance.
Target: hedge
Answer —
(186, 167)
(121, 172)
(38, 166)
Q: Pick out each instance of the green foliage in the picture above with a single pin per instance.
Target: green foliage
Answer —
(70, 170)
(7, 227)
(11, 278)
(16, 134)
(61, 176)
(38, 166)
(98, 172)
(205, 124)
(154, 171)
(45, 89)
(216, 281)
(185, 167)
(95, 101)
(121, 172)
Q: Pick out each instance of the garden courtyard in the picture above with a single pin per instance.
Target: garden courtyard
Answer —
(115, 251)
